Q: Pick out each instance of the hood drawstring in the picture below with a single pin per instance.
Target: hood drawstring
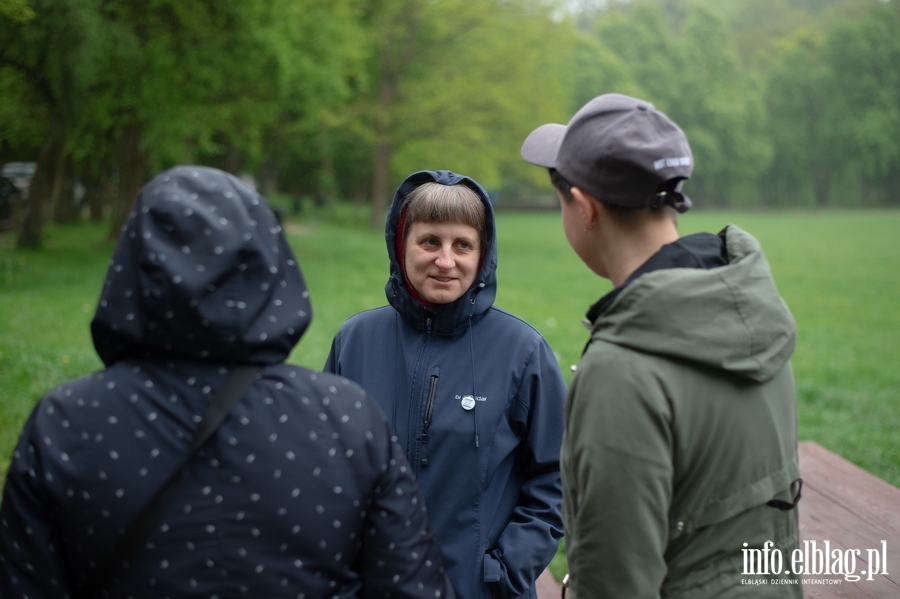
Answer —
(474, 394)
(478, 289)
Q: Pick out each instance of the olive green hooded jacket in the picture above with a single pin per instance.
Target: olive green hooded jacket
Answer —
(680, 426)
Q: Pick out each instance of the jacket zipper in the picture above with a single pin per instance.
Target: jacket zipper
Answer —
(429, 408)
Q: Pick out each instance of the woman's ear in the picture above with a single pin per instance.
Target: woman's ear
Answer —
(587, 207)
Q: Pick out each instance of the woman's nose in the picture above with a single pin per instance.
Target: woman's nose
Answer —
(445, 258)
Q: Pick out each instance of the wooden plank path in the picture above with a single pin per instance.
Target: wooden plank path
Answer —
(851, 509)
(547, 587)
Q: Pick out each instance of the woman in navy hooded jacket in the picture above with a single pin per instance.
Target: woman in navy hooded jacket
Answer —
(474, 393)
(301, 492)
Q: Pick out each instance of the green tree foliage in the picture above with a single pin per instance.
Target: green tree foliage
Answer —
(16, 10)
(130, 87)
(45, 44)
(684, 59)
(864, 56)
(451, 84)
(785, 102)
(807, 151)
(721, 109)
(469, 107)
(188, 80)
(835, 112)
(21, 113)
(559, 83)
(759, 26)
(648, 48)
(320, 50)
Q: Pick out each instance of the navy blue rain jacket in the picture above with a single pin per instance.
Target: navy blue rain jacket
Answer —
(301, 493)
(490, 475)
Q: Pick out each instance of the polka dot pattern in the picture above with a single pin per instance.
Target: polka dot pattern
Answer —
(201, 248)
(303, 491)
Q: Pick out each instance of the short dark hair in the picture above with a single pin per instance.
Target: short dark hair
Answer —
(624, 215)
(561, 185)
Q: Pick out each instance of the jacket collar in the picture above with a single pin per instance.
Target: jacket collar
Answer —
(701, 250)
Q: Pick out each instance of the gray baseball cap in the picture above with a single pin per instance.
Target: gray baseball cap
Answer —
(619, 149)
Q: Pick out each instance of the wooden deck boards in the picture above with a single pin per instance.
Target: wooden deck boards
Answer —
(846, 506)
(852, 509)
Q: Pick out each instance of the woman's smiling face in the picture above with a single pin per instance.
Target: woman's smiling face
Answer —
(441, 260)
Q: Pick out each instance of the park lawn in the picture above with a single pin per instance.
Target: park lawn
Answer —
(837, 270)
(47, 299)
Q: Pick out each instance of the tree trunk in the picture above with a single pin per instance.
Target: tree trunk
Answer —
(96, 194)
(383, 147)
(821, 188)
(93, 192)
(893, 183)
(327, 179)
(132, 170)
(397, 50)
(866, 190)
(233, 160)
(268, 175)
(380, 185)
(44, 183)
(65, 208)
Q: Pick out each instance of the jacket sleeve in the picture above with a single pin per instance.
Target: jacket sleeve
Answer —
(31, 562)
(331, 362)
(617, 475)
(531, 538)
(400, 557)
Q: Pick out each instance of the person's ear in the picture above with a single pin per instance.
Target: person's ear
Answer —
(587, 206)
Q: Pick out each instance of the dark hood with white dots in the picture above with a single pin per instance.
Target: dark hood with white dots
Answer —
(202, 270)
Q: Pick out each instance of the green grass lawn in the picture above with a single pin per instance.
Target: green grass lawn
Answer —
(838, 271)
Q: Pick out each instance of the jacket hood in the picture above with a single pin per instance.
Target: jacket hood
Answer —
(202, 270)
(445, 318)
(730, 318)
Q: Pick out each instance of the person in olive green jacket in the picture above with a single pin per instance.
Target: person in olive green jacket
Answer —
(679, 461)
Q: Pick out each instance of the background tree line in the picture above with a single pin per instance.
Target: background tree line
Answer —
(785, 102)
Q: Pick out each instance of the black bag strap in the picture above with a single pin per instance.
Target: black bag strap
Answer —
(146, 520)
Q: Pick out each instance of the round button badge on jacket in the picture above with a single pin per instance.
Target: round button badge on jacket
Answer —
(468, 402)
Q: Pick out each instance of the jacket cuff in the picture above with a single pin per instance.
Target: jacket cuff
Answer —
(493, 570)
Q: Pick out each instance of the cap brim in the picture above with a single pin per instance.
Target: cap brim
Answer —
(541, 146)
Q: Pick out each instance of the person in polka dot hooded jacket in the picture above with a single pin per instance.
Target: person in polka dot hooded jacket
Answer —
(302, 492)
